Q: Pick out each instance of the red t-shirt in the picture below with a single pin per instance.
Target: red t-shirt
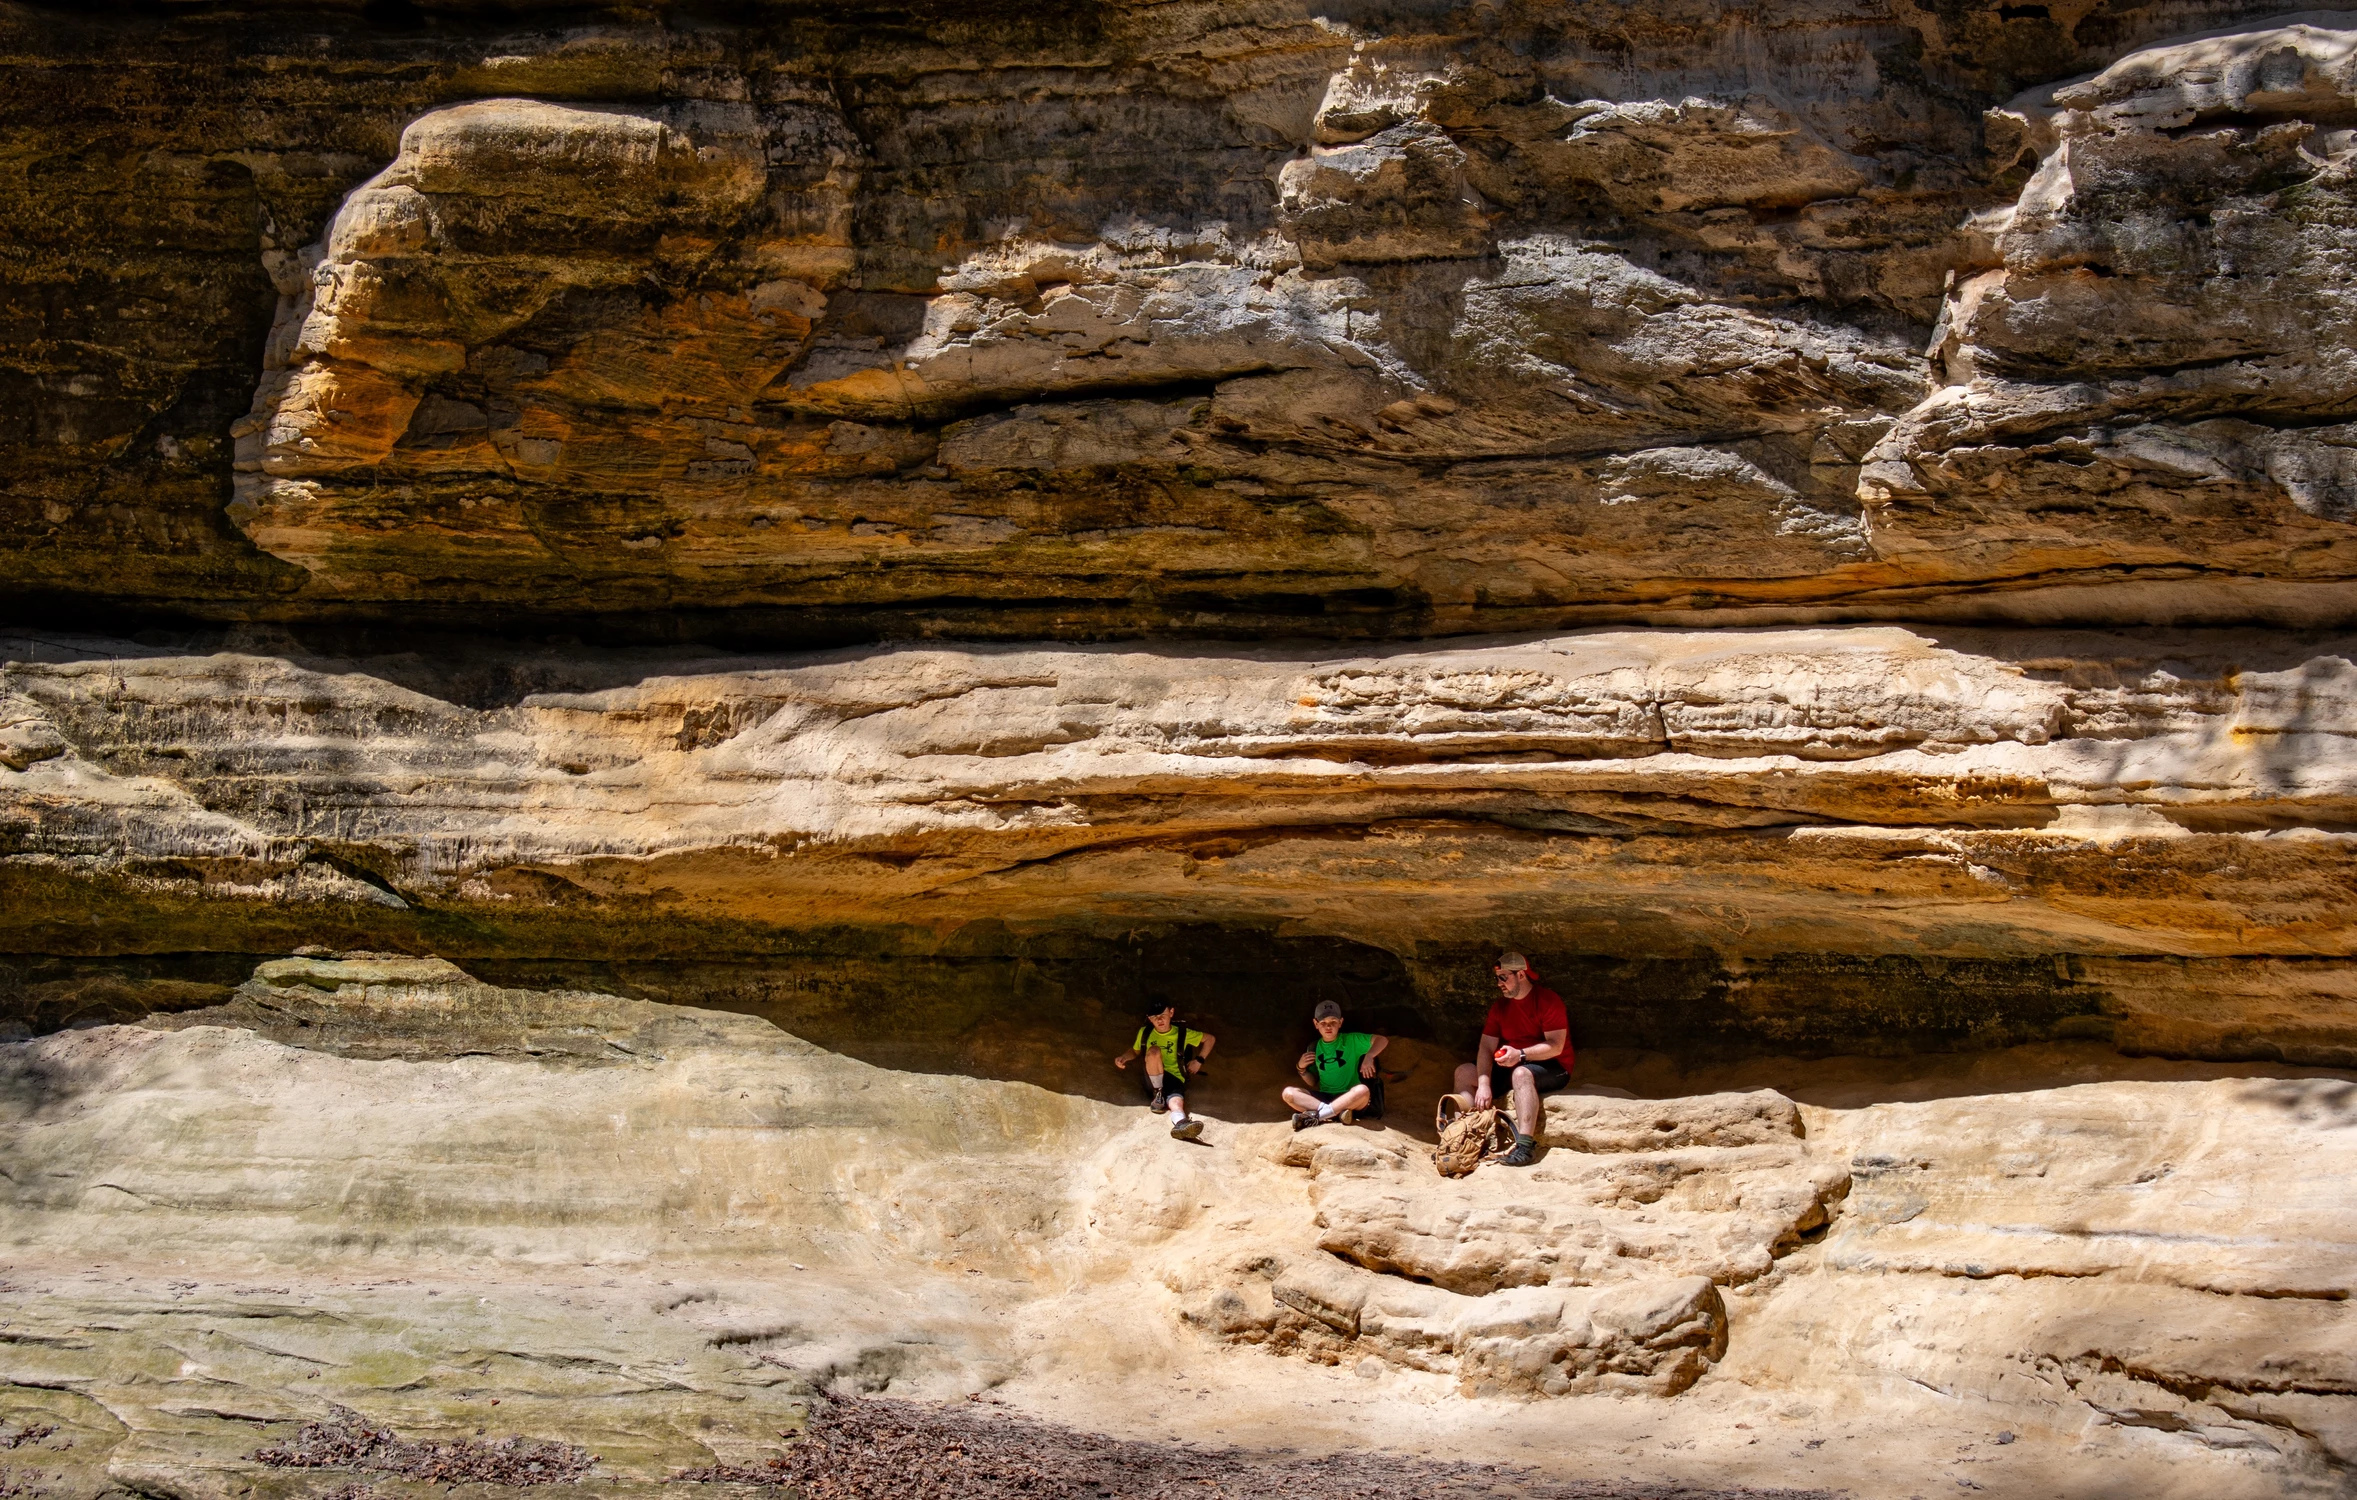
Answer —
(1526, 1022)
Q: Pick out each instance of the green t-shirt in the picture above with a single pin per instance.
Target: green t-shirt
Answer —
(1334, 1065)
(1171, 1044)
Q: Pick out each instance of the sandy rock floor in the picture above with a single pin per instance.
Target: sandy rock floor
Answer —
(660, 1234)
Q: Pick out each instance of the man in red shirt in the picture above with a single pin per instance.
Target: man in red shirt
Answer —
(1525, 1052)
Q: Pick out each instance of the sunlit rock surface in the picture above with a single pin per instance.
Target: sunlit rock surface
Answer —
(2151, 360)
(655, 1231)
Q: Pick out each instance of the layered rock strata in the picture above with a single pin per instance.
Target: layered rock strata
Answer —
(2148, 359)
(2084, 805)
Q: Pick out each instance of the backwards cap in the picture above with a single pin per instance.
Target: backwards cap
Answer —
(1327, 1010)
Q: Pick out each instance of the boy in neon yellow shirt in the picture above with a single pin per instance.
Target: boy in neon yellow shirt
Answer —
(1173, 1054)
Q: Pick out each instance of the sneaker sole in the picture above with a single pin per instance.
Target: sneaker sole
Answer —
(1187, 1130)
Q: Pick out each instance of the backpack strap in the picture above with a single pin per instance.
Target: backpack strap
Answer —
(1185, 1049)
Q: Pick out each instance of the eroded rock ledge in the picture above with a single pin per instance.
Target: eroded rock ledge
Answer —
(1598, 1271)
(1913, 348)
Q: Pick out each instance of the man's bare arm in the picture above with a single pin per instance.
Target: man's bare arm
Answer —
(1484, 1059)
(1551, 1047)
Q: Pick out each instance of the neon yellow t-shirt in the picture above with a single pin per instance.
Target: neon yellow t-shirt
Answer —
(1170, 1044)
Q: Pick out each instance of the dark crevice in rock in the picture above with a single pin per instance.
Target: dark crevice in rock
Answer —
(1042, 1006)
(2200, 1388)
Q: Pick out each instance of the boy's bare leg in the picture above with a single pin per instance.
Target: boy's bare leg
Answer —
(1303, 1101)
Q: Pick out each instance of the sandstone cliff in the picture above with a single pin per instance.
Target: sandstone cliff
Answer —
(766, 574)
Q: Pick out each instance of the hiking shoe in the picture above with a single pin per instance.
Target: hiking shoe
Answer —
(1525, 1150)
(1303, 1119)
(1159, 1103)
(1187, 1129)
(1347, 1116)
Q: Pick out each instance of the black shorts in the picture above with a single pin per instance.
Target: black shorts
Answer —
(1373, 1109)
(1548, 1073)
(1172, 1083)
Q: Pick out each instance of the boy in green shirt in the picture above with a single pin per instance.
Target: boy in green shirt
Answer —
(1338, 1069)
(1173, 1054)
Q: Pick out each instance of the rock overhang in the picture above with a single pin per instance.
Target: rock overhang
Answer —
(1742, 815)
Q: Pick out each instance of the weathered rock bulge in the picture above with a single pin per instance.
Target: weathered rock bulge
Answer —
(1183, 319)
(1596, 1271)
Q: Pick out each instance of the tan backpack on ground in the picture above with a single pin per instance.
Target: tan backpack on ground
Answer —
(1469, 1136)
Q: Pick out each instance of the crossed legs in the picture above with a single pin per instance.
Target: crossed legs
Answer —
(1358, 1096)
